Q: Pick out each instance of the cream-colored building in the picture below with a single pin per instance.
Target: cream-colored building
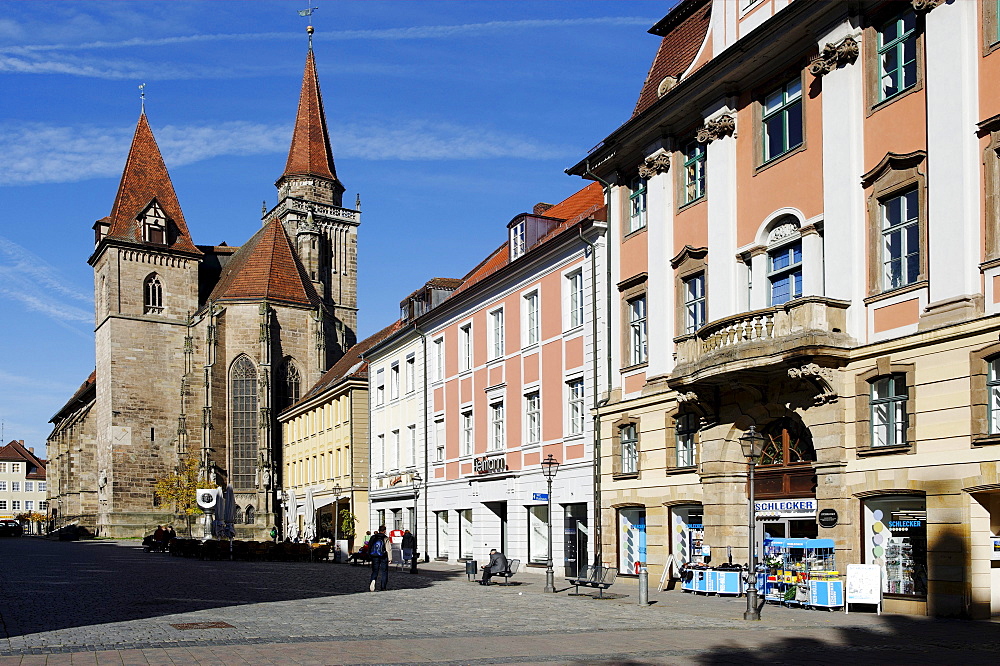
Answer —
(325, 448)
(22, 482)
(811, 249)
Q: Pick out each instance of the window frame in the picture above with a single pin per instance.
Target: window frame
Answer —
(686, 428)
(467, 433)
(380, 387)
(532, 334)
(241, 473)
(411, 373)
(439, 359)
(873, 61)
(898, 45)
(638, 205)
(638, 331)
(628, 448)
(793, 269)
(576, 419)
(864, 421)
(496, 334)
(782, 111)
(902, 229)
(394, 380)
(532, 417)
(465, 354)
(698, 160)
(691, 322)
(896, 413)
(152, 294)
(518, 240)
(575, 301)
(498, 439)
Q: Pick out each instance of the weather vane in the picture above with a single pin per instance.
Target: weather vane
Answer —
(142, 97)
(308, 12)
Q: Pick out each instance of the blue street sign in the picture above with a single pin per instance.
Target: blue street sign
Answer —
(539, 496)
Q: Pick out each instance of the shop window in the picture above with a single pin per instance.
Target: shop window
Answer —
(781, 120)
(538, 534)
(897, 55)
(685, 430)
(888, 410)
(895, 538)
(465, 542)
(687, 531)
(441, 521)
(631, 539)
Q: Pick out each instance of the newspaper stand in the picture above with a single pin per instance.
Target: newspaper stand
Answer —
(802, 572)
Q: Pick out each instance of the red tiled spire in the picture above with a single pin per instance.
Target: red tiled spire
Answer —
(266, 267)
(145, 178)
(310, 152)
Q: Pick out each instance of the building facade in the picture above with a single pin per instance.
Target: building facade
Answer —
(198, 347)
(813, 246)
(22, 484)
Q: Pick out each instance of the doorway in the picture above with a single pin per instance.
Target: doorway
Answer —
(631, 539)
(576, 538)
(499, 510)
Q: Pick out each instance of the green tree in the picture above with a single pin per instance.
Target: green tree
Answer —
(348, 521)
(178, 490)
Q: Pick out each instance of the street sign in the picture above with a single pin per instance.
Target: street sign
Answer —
(540, 497)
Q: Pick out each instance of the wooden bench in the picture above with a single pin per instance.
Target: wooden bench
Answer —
(597, 577)
(512, 566)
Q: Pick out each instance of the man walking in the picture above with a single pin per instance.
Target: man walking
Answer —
(378, 551)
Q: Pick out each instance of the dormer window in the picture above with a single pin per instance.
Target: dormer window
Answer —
(153, 222)
(517, 240)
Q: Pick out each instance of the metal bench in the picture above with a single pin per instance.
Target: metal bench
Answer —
(597, 577)
(512, 566)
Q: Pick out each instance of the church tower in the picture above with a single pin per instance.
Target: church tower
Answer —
(310, 207)
(146, 285)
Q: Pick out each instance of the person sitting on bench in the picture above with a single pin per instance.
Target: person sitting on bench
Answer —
(497, 565)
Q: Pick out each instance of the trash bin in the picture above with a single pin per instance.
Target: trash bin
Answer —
(471, 569)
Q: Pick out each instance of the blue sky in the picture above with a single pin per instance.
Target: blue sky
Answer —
(448, 118)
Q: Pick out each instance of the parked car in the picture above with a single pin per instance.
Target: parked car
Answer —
(10, 528)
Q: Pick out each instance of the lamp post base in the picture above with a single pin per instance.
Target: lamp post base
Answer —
(550, 585)
(753, 608)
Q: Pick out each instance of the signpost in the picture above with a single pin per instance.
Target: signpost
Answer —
(864, 586)
(539, 497)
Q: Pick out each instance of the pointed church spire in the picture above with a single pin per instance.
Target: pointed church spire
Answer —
(145, 191)
(310, 153)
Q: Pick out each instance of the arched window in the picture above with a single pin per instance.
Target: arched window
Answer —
(786, 443)
(153, 295)
(237, 515)
(291, 384)
(243, 420)
(249, 517)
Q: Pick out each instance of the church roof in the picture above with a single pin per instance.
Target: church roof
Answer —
(266, 266)
(144, 179)
(310, 152)
(79, 397)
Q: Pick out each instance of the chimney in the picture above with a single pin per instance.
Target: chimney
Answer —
(541, 207)
(31, 450)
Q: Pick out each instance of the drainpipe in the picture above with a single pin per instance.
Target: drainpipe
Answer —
(598, 524)
(427, 478)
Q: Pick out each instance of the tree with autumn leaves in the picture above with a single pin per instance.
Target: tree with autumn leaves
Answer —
(179, 490)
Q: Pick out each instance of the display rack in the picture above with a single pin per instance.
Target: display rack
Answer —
(802, 572)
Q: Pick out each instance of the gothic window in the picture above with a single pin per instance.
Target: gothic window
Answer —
(153, 222)
(237, 515)
(291, 384)
(249, 516)
(243, 417)
(153, 295)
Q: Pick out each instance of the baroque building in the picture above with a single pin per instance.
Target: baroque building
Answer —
(198, 347)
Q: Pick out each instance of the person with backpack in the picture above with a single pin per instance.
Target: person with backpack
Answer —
(378, 551)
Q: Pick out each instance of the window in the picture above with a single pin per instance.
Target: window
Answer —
(29, 505)
(153, 295)
(154, 224)
(694, 172)
(3, 468)
(496, 426)
(532, 418)
(694, 303)
(685, 427)
(637, 330)
(381, 517)
(15, 505)
(380, 452)
(439, 439)
(43, 506)
(3, 486)
(291, 386)
(465, 538)
(394, 441)
(442, 534)
(574, 285)
(517, 240)
(496, 334)
(628, 437)
(29, 486)
(380, 387)
(15, 486)
(897, 55)
(895, 538)
(637, 205)
(784, 271)
(439, 359)
(900, 240)
(250, 515)
(532, 332)
(3, 505)
(394, 381)
(465, 347)
(15, 468)
(411, 433)
(397, 519)
(575, 402)
(244, 426)
(782, 120)
(467, 433)
(411, 374)
(993, 399)
(888, 410)
(538, 534)
(41, 486)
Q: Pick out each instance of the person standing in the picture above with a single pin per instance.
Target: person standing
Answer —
(497, 565)
(378, 551)
(409, 546)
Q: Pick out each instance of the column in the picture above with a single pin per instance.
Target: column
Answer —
(660, 284)
(721, 176)
(812, 261)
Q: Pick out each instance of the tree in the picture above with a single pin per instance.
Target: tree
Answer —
(348, 521)
(179, 490)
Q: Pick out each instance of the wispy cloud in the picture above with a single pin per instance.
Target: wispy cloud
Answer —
(39, 287)
(35, 153)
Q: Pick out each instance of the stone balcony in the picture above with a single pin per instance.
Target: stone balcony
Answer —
(762, 341)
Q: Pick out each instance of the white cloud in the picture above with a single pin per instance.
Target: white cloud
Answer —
(39, 287)
(32, 153)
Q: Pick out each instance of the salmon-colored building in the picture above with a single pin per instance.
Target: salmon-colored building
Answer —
(804, 221)
(505, 377)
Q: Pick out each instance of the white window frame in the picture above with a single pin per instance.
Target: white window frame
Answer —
(467, 432)
(638, 339)
(685, 428)
(903, 230)
(29, 505)
(439, 359)
(411, 433)
(380, 387)
(629, 448)
(29, 486)
(532, 417)
(695, 306)
(380, 443)
(495, 334)
(575, 412)
(3, 505)
(3, 486)
(15, 486)
(497, 428)
(574, 299)
(42, 486)
(637, 204)
(15, 505)
(411, 373)
(993, 395)
(518, 235)
(396, 450)
(394, 381)
(532, 333)
(439, 438)
(3, 468)
(465, 347)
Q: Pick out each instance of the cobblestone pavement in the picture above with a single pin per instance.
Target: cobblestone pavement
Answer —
(103, 602)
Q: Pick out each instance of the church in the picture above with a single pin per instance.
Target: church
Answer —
(199, 347)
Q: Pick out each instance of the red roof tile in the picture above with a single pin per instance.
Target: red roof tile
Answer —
(310, 152)
(85, 387)
(144, 179)
(266, 267)
(677, 49)
(16, 451)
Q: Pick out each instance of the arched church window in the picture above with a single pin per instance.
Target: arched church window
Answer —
(237, 515)
(291, 384)
(243, 420)
(153, 295)
(249, 518)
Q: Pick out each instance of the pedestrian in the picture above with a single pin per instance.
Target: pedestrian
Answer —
(274, 533)
(409, 545)
(378, 550)
(497, 565)
(368, 535)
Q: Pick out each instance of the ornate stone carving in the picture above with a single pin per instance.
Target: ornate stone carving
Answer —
(820, 377)
(782, 231)
(834, 55)
(654, 164)
(716, 129)
(666, 85)
(925, 5)
(689, 397)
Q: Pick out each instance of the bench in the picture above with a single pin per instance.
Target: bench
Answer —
(512, 566)
(598, 577)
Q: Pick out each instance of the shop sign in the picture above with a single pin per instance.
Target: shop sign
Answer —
(994, 552)
(790, 508)
(828, 517)
(904, 526)
(493, 465)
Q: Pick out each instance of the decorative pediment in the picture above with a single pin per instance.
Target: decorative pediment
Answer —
(688, 253)
(716, 128)
(924, 6)
(833, 56)
(893, 162)
(822, 378)
(654, 164)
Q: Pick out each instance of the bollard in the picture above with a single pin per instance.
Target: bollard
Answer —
(643, 586)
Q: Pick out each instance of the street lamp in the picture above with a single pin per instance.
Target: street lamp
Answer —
(336, 517)
(752, 443)
(415, 480)
(549, 468)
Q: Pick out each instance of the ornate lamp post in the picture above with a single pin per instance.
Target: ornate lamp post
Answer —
(336, 517)
(549, 468)
(752, 443)
(415, 480)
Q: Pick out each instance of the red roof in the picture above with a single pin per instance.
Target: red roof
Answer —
(266, 267)
(144, 179)
(16, 452)
(79, 396)
(677, 49)
(310, 152)
(571, 210)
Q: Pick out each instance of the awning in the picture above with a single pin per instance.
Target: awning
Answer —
(318, 502)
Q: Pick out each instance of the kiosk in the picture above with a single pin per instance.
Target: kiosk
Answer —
(802, 572)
